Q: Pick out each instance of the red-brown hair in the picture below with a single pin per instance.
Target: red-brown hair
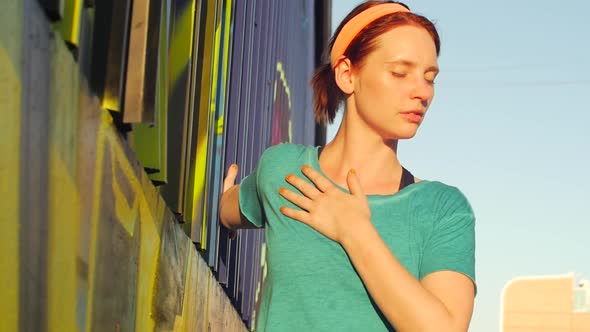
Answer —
(327, 96)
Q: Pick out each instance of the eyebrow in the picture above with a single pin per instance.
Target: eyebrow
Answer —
(412, 64)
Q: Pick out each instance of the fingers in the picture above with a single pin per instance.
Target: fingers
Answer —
(296, 214)
(304, 187)
(321, 182)
(354, 183)
(299, 200)
(230, 178)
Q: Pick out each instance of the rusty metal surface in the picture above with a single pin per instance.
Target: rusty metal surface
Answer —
(142, 62)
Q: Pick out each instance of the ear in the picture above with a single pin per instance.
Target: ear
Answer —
(343, 76)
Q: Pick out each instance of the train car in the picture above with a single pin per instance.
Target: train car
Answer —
(120, 118)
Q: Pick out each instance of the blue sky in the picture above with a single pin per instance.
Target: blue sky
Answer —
(510, 126)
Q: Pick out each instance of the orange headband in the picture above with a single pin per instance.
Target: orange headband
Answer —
(358, 23)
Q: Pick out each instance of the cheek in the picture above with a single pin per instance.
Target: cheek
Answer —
(384, 89)
(431, 96)
(370, 85)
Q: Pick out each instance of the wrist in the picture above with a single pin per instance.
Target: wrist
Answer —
(363, 230)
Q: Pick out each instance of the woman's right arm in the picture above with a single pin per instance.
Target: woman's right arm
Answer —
(229, 205)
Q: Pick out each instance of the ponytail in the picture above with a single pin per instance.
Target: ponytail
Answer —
(327, 96)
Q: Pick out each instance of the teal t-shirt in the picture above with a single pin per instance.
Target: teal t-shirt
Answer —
(311, 284)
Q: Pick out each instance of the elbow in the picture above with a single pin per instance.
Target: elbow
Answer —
(222, 221)
(442, 328)
(224, 213)
(231, 228)
(448, 326)
(227, 225)
(225, 218)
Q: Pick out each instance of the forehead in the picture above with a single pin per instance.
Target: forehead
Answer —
(406, 42)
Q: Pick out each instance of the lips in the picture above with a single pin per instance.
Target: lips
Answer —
(413, 116)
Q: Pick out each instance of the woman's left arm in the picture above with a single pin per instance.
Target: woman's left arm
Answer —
(441, 301)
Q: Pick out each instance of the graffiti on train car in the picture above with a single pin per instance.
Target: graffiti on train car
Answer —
(282, 124)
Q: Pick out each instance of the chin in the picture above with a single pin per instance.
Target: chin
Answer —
(407, 136)
(402, 133)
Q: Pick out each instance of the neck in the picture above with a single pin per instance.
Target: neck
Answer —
(357, 146)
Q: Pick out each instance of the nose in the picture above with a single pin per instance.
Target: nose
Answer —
(422, 90)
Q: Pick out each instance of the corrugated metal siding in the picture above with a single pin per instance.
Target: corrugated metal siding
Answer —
(272, 61)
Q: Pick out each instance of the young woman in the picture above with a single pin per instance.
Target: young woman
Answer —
(355, 242)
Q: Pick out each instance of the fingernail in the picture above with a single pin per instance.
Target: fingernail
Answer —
(304, 168)
(234, 166)
(281, 190)
(288, 177)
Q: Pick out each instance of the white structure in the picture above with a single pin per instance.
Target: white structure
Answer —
(545, 303)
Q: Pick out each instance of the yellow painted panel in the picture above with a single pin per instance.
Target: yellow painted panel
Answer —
(150, 240)
(181, 43)
(150, 222)
(11, 20)
(69, 26)
(202, 157)
(187, 321)
(64, 229)
(64, 205)
(195, 212)
(147, 270)
(126, 215)
(106, 121)
(10, 104)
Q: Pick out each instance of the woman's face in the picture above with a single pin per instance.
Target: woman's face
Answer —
(395, 86)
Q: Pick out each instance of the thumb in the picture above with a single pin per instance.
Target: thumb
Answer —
(230, 178)
(354, 183)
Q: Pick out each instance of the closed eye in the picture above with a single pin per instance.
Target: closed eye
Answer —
(430, 78)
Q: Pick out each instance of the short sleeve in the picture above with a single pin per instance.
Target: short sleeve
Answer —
(249, 199)
(452, 243)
